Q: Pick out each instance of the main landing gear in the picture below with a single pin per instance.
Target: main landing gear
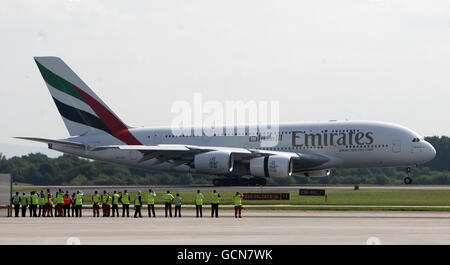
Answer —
(408, 179)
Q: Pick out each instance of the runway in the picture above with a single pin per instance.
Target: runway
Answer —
(257, 227)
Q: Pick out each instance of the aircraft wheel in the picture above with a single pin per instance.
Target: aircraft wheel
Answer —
(408, 180)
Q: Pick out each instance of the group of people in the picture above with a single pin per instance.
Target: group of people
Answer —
(42, 204)
(63, 204)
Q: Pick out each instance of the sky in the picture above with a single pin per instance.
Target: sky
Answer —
(321, 60)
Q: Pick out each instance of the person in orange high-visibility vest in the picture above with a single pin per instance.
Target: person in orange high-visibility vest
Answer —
(67, 202)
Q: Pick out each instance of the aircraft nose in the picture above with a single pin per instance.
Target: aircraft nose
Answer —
(430, 151)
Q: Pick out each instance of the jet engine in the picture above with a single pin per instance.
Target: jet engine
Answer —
(275, 166)
(214, 162)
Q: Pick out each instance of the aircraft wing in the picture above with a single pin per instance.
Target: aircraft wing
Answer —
(184, 154)
(180, 154)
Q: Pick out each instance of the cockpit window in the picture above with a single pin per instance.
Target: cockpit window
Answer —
(415, 140)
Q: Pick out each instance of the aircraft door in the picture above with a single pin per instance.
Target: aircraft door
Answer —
(396, 146)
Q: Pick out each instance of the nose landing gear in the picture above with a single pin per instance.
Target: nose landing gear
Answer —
(408, 179)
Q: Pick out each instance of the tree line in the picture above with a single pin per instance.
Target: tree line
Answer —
(38, 169)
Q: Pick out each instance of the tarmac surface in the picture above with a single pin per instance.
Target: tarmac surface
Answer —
(256, 227)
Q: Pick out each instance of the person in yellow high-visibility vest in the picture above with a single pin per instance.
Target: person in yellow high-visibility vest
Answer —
(168, 198)
(125, 199)
(151, 195)
(79, 204)
(34, 202)
(24, 204)
(48, 206)
(96, 204)
(30, 206)
(105, 205)
(115, 204)
(215, 204)
(238, 204)
(60, 202)
(137, 205)
(42, 202)
(52, 200)
(198, 200)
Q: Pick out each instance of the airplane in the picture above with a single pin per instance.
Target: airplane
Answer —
(308, 149)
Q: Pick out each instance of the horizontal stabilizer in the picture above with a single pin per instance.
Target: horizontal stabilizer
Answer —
(51, 141)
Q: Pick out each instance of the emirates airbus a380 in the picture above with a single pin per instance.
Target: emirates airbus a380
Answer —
(308, 148)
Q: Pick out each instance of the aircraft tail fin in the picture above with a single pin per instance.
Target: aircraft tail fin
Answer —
(81, 109)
